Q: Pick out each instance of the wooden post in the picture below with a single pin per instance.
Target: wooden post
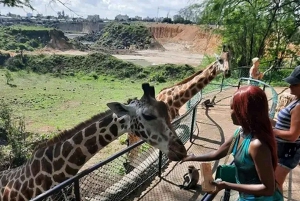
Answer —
(206, 177)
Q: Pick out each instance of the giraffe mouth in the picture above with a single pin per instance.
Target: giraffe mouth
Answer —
(177, 152)
(227, 74)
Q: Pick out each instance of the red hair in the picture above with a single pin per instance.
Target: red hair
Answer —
(250, 106)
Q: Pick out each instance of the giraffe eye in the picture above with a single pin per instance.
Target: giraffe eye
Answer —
(221, 61)
(149, 117)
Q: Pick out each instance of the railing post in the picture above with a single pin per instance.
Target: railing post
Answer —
(222, 83)
(226, 196)
(77, 190)
(159, 163)
(192, 126)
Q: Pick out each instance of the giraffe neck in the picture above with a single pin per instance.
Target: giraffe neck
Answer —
(175, 97)
(51, 165)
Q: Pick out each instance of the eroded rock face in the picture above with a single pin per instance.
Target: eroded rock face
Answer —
(195, 38)
(59, 41)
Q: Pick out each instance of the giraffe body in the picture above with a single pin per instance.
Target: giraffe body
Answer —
(177, 95)
(62, 157)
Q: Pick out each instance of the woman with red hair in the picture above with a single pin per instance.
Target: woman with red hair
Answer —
(255, 152)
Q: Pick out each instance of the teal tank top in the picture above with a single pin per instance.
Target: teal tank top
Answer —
(246, 172)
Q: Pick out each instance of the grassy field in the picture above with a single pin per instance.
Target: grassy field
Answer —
(50, 104)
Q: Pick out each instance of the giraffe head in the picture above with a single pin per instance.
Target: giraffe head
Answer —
(149, 120)
(223, 61)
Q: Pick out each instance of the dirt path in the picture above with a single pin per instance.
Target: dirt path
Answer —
(174, 53)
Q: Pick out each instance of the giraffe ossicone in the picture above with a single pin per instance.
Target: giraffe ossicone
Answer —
(62, 157)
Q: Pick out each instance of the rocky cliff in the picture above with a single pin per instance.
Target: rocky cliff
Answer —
(195, 38)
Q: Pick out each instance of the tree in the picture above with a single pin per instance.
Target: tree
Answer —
(27, 3)
(167, 20)
(16, 3)
(8, 77)
(255, 28)
(191, 13)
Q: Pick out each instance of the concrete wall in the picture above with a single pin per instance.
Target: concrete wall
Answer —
(82, 27)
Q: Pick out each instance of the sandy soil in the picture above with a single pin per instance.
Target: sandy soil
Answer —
(175, 53)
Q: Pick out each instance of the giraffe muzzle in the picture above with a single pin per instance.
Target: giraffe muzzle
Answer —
(177, 151)
(227, 73)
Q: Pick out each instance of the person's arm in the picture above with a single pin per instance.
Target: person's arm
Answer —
(262, 159)
(251, 73)
(215, 155)
(273, 122)
(294, 132)
(261, 75)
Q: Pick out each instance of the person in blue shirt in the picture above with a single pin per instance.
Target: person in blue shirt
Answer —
(287, 131)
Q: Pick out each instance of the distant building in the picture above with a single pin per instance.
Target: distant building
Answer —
(122, 18)
(29, 15)
(148, 19)
(93, 18)
(138, 18)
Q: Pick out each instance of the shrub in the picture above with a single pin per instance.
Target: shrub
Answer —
(12, 130)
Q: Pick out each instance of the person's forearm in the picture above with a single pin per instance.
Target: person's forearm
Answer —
(286, 135)
(252, 189)
(273, 122)
(212, 156)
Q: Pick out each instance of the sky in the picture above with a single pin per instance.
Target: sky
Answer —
(105, 8)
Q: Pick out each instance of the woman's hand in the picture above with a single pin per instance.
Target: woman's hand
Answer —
(220, 185)
(190, 157)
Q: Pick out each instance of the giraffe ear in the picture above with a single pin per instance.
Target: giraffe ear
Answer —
(121, 109)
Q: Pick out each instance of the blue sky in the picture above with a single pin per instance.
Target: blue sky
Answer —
(104, 8)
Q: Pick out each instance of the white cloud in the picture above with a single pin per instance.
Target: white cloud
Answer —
(104, 8)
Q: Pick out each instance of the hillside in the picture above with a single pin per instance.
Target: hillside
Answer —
(30, 38)
(193, 37)
(119, 36)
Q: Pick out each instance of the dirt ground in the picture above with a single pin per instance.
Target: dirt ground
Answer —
(174, 53)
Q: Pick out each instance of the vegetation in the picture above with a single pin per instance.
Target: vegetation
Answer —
(95, 65)
(8, 77)
(23, 38)
(124, 35)
(16, 3)
(30, 38)
(265, 29)
(12, 133)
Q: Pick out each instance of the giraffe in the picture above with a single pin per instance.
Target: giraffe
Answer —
(61, 157)
(177, 95)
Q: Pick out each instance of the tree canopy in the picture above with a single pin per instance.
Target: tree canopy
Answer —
(255, 28)
(16, 3)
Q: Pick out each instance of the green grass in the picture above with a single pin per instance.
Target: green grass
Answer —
(46, 101)
(30, 28)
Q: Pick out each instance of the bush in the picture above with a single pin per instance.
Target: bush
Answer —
(3, 57)
(123, 35)
(12, 131)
